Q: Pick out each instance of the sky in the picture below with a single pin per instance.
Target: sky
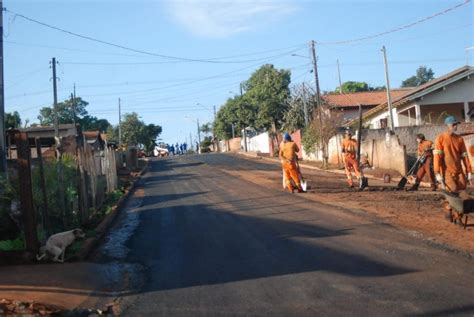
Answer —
(185, 57)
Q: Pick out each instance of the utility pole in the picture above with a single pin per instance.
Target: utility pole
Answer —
(389, 98)
(199, 135)
(233, 131)
(318, 100)
(74, 105)
(305, 107)
(241, 93)
(3, 153)
(120, 123)
(73, 110)
(55, 100)
(339, 76)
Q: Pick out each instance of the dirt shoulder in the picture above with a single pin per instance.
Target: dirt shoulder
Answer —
(420, 212)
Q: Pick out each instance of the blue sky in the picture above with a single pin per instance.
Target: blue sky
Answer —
(240, 34)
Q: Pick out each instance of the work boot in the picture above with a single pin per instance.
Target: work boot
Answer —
(363, 183)
(414, 187)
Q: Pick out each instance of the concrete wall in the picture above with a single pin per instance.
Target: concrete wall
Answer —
(260, 143)
(232, 145)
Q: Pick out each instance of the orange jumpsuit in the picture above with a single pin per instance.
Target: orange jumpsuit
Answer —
(449, 152)
(349, 150)
(426, 148)
(288, 159)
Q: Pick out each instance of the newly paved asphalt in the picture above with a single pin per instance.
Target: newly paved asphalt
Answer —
(211, 244)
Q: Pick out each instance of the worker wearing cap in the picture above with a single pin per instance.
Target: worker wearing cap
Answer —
(288, 157)
(449, 155)
(425, 157)
(349, 152)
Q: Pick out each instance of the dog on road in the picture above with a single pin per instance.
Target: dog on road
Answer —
(57, 243)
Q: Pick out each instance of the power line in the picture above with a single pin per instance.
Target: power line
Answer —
(89, 38)
(397, 29)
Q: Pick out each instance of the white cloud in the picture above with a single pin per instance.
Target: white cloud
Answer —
(220, 19)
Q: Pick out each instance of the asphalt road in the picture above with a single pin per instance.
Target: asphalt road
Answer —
(211, 244)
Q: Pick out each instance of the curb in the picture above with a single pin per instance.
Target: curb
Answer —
(90, 244)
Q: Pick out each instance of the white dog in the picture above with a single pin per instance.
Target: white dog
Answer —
(57, 243)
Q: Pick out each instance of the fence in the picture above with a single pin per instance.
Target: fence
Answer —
(55, 192)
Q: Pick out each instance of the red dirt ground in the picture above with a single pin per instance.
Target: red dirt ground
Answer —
(421, 212)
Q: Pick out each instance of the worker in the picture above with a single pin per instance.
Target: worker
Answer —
(288, 157)
(349, 152)
(449, 155)
(425, 159)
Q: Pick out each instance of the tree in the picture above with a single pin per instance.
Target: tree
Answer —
(236, 111)
(321, 130)
(206, 128)
(68, 111)
(89, 123)
(148, 135)
(293, 118)
(423, 75)
(267, 90)
(354, 86)
(12, 120)
(136, 132)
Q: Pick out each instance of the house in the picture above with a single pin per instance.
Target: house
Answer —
(349, 102)
(430, 103)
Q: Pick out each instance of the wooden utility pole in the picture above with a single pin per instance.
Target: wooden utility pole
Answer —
(318, 102)
(73, 110)
(389, 98)
(120, 122)
(45, 213)
(199, 134)
(3, 153)
(26, 197)
(74, 105)
(339, 77)
(305, 107)
(359, 135)
(55, 101)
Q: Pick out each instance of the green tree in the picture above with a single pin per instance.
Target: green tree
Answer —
(267, 90)
(136, 132)
(148, 135)
(206, 128)
(89, 123)
(236, 111)
(423, 75)
(68, 110)
(354, 86)
(12, 120)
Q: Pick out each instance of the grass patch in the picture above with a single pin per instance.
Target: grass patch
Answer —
(12, 245)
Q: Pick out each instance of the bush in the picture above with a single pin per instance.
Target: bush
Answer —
(12, 245)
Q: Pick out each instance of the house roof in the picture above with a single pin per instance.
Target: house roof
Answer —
(365, 98)
(48, 128)
(424, 89)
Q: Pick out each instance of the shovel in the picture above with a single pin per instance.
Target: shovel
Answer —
(304, 184)
(404, 180)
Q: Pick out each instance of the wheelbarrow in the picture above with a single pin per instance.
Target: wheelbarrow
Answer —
(460, 208)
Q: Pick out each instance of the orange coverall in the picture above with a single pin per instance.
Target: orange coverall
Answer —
(449, 152)
(426, 148)
(288, 158)
(349, 148)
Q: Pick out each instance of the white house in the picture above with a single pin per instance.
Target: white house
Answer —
(451, 94)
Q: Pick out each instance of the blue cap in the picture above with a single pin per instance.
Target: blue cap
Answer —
(286, 137)
(451, 120)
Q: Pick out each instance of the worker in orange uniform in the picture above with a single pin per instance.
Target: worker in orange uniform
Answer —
(449, 155)
(288, 159)
(425, 157)
(349, 152)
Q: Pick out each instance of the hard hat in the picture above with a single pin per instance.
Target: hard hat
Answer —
(451, 120)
